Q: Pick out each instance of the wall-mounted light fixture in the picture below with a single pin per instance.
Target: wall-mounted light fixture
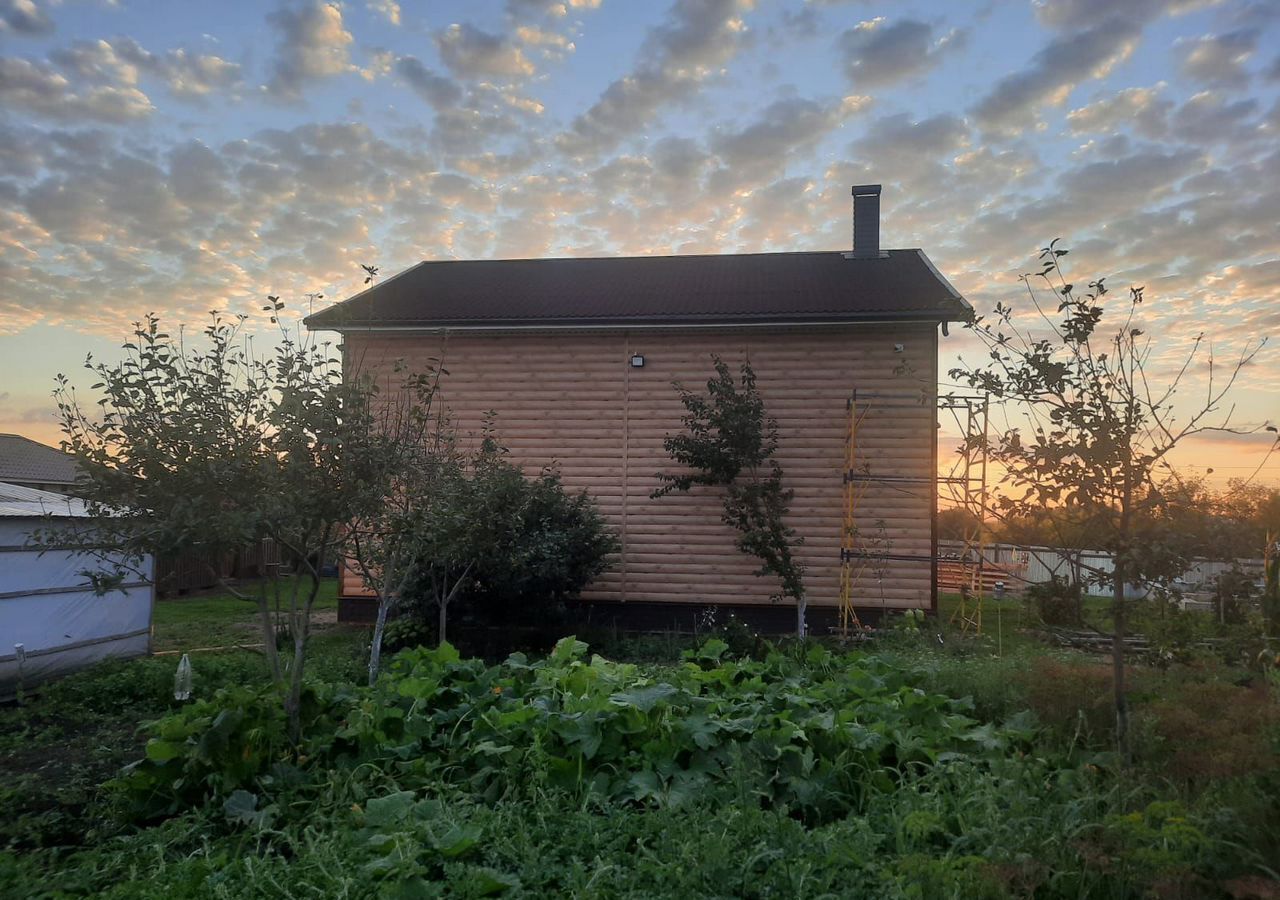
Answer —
(637, 361)
(898, 348)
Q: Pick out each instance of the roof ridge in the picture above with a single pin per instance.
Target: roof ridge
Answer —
(637, 256)
(730, 287)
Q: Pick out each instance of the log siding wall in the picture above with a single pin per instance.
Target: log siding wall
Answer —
(573, 400)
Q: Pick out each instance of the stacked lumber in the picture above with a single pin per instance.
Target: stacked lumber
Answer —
(954, 574)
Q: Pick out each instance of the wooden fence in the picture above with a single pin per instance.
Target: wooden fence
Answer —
(197, 569)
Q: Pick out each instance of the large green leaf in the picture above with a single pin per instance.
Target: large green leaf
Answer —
(481, 881)
(242, 807)
(392, 809)
(162, 751)
(457, 840)
(645, 698)
(568, 649)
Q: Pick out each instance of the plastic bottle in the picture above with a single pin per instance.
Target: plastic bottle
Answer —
(182, 679)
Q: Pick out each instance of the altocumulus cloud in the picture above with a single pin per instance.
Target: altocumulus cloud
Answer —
(313, 43)
(192, 171)
(878, 52)
(24, 17)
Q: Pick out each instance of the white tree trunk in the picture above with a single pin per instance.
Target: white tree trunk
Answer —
(375, 647)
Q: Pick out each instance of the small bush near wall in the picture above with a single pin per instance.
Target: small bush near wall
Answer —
(530, 544)
(556, 542)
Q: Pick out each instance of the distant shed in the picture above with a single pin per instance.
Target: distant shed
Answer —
(51, 621)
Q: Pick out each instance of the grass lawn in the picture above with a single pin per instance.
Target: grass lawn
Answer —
(1008, 622)
(216, 618)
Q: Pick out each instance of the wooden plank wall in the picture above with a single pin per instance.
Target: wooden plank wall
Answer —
(571, 399)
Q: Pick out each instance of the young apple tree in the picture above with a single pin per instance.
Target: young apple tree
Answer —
(412, 453)
(729, 443)
(1101, 422)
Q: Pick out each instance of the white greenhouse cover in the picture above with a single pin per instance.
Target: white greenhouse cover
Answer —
(51, 621)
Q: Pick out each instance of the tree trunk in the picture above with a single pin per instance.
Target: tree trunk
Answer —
(800, 610)
(1117, 663)
(444, 609)
(446, 597)
(386, 598)
(293, 701)
(375, 647)
(1077, 579)
(301, 626)
(269, 638)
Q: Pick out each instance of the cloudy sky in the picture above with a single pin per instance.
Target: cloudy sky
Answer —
(182, 163)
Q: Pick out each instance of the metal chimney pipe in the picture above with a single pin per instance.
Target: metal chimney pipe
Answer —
(866, 221)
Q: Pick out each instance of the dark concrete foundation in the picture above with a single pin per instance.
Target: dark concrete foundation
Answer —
(662, 618)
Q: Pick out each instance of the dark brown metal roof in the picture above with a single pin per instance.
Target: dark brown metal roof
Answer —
(744, 288)
(24, 461)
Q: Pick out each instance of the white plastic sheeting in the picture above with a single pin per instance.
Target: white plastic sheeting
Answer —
(51, 621)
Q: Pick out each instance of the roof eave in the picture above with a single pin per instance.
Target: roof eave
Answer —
(931, 316)
(955, 295)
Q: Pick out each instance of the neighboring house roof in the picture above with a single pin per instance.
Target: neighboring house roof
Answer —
(28, 503)
(24, 460)
(749, 288)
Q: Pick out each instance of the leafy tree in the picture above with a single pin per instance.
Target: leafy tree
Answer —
(1243, 514)
(215, 448)
(1057, 527)
(729, 443)
(410, 444)
(507, 546)
(445, 537)
(955, 522)
(1100, 430)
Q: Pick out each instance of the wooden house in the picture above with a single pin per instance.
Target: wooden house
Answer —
(577, 358)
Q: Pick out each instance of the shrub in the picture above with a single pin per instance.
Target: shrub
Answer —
(406, 632)
(1211, 729)
(515, 548)
(1056, 601)
(1072, 698)
(555, 544)
(1174, 634)
(1232, 595)
(238, 738)
(1158, 846)
(739, 639)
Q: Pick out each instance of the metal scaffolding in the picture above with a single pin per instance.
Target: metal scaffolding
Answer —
(849, 620)
(967, 487)
(967, 484)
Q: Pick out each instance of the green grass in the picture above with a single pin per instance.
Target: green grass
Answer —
(1004, 623)
(220, 619)
(1009, 625)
